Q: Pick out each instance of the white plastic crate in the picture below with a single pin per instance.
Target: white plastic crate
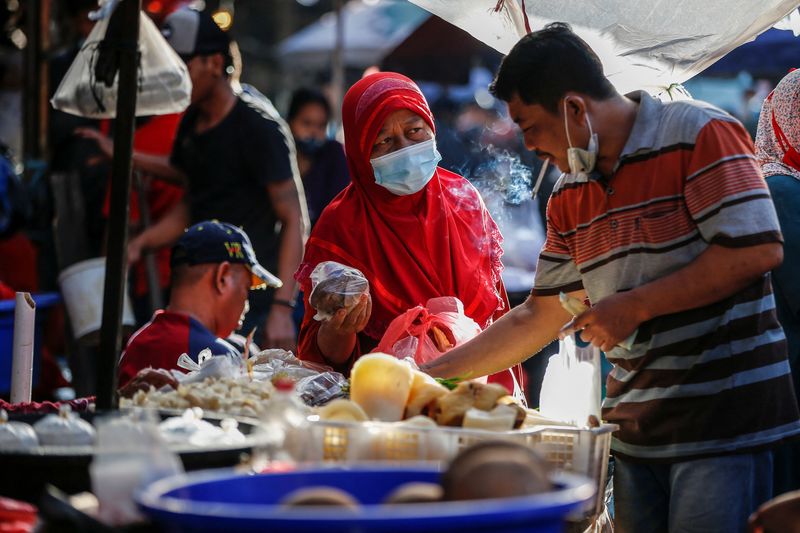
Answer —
(582, 451)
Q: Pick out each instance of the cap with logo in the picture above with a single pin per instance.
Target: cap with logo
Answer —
(212, 241)
(194, 33)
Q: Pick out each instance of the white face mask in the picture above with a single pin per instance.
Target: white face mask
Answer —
(581, 161)
(407, 170)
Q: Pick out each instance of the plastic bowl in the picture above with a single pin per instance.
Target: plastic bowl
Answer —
(222, 500)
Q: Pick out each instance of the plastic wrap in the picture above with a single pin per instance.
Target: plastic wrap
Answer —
(335, 286)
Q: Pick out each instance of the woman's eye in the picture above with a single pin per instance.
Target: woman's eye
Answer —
(414, 131)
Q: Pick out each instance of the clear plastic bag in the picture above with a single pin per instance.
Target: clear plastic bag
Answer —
(335, 286)
(16, 436)
(218, 366)
(320, 389)
(164, 83)
(130, 455)
(571, 387)
(64, 429)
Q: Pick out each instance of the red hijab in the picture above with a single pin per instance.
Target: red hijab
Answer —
(440, 241)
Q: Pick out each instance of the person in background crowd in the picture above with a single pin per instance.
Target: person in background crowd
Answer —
(777, 142)
(236, 157)
(663, 220)
(320, 160)
(153, 136)
(214, 268)
(415, 230)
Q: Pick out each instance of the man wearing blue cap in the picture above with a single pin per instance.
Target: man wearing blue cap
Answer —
(214, 268)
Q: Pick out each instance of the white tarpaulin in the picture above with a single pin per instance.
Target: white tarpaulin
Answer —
(649, 44)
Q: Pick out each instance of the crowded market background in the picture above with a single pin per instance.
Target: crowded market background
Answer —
(55, 168)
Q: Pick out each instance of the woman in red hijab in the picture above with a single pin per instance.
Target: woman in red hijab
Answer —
(416, 231)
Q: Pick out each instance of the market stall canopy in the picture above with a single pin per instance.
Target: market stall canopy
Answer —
(371, 30)
(649, 44)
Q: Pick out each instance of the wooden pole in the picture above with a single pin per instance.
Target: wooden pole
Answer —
(116, 246)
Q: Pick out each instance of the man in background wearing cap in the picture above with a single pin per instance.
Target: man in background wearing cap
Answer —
(237, 158)
(214, 268)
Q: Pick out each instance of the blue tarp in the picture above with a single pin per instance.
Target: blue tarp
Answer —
(771, 54)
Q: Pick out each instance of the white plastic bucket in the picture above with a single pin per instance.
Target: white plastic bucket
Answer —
(82, 286)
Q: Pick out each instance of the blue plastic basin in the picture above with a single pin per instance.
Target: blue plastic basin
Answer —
(43, 302)
(221, 500)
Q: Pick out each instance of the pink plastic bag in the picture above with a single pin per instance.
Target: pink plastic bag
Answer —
(425, 333)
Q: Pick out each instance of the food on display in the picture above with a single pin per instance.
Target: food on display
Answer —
(342, 411)
(496, 469)
(381, 385)
(320, 496)
(451, 407)
(234, 396)
(64, 429)
(415, 492)
(501, 418)
(335, 286)
(146, 378)
(16, 436)
(423, 395)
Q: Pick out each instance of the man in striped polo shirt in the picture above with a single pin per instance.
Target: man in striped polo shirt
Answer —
(663, 220)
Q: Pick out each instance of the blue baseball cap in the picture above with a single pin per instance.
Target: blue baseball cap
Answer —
(212, 241)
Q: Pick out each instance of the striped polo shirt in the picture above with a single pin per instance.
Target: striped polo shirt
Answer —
(709, 380)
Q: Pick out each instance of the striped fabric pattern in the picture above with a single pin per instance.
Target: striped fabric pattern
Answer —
(705, 381)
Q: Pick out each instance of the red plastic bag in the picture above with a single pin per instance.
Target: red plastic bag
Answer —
(425, 333)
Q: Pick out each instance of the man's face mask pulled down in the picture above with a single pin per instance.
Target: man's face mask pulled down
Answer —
(581, 161)
(408, 170)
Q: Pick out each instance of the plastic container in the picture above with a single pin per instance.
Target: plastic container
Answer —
(82, 286)
(229, 502)
(43, 302)
(568, 449)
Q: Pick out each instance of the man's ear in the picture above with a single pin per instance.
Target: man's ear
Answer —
(222, 276)
(576, 107)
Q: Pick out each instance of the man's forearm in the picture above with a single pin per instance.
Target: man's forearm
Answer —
(159, 167)
(714, 275)
(522, 332)
(290, 253)
(167, 230)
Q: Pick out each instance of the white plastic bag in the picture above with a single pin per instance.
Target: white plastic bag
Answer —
(164, 83)
(571, 386)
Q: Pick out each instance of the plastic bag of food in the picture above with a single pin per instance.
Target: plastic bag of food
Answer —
(335, 286)
(64, 429)
(89, 89)
(320, 389)
(16, 436)
(425, 333)
(130, 455)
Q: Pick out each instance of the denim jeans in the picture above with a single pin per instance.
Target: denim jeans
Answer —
(704, 495)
